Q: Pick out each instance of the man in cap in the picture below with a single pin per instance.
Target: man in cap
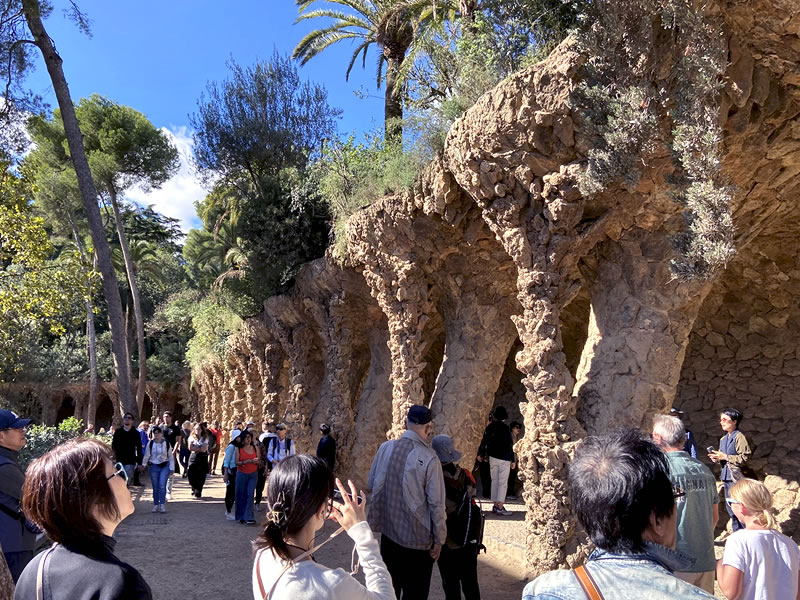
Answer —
(17, 536)
(408, 505)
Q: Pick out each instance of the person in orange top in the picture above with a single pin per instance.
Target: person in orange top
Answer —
(246, 457)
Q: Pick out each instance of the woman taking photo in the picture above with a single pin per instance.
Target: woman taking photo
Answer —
(78, 496)
(299, 499)
(246, 457)
(759, 561)
(198, 460)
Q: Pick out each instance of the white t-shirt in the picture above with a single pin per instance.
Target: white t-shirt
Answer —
(769, 561)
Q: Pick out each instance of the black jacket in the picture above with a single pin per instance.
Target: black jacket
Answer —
(127, 446)
(87, 571)
(326, 450)
(16, 535)
(497, 441)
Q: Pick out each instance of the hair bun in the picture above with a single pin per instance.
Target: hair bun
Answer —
(277, 514)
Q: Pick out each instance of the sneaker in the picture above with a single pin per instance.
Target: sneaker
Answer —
(250, 522)
(155, 508)
(161, 508)
(230, 516)
(501, 511)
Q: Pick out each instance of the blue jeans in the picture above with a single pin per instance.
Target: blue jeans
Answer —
(245, 486)
(158, 477)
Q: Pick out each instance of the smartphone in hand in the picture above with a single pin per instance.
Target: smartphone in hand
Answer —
(337, 495)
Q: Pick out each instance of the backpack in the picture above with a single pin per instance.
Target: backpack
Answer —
(465, 526)
(273, 446)
(163, 439)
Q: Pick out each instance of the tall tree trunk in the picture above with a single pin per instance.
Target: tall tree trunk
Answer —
(393, 101)
(137, 303)
(86, 185)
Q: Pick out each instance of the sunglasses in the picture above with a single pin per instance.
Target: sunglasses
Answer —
(120, 471)
(732, 501)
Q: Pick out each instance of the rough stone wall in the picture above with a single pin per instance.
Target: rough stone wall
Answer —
(496, 246)
(743, 353)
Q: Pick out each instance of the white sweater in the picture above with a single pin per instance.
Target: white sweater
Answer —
(308, 580)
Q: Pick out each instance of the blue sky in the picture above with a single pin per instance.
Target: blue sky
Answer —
(157, 57)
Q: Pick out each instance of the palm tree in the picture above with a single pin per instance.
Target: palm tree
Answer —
(216, 256)
(389, 24)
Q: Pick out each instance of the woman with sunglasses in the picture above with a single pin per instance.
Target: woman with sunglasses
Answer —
(78, 496)
(299, 499)
(759, 561)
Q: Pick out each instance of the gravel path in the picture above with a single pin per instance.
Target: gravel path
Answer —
(191, 552)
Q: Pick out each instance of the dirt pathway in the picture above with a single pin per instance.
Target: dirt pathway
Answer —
(193, 553)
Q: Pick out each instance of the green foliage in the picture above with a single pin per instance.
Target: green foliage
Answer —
(256, 134)
(43, 438)
(41, 290)
(213, 322)
(264, 119)
(171, 327)
(353, 176)
(623, 102)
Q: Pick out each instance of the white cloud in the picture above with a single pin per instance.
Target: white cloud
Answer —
(177, 196)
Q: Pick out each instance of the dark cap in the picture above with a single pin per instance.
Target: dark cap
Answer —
(420, 414)
(325, 428)
(10, 420)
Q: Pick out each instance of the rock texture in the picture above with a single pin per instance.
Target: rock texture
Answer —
(496, 281)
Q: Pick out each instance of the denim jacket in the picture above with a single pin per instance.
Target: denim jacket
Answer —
(646, 574)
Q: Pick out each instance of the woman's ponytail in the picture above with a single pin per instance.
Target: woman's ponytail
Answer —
(767, 519)
(756, 497)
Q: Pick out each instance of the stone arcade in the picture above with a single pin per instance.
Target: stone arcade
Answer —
(495, 281)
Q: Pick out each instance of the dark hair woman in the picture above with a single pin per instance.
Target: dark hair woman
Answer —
(246, 456)
(78, 496)
(198, 460)
(299, 498)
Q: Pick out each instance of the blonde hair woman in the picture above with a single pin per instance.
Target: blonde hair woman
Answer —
(759, 562)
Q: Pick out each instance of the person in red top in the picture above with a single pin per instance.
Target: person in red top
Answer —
(246, 457)
(214, 454)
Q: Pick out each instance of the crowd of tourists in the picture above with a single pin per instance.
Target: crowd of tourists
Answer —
(648, 505)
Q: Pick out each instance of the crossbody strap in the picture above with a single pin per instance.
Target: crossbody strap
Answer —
(587, 583)
(266, 595)
(40, 574)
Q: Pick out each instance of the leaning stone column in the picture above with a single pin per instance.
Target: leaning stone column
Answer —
(405, 302)
(373, 414)
(478, 338)
(640, 323)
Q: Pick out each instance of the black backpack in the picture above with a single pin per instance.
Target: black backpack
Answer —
(465, 526)
(273, 445)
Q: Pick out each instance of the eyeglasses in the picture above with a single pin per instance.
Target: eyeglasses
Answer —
(118, 470)
(732, 501)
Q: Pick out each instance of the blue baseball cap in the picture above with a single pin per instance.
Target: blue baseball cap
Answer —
(420, 414)
(10, 420)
